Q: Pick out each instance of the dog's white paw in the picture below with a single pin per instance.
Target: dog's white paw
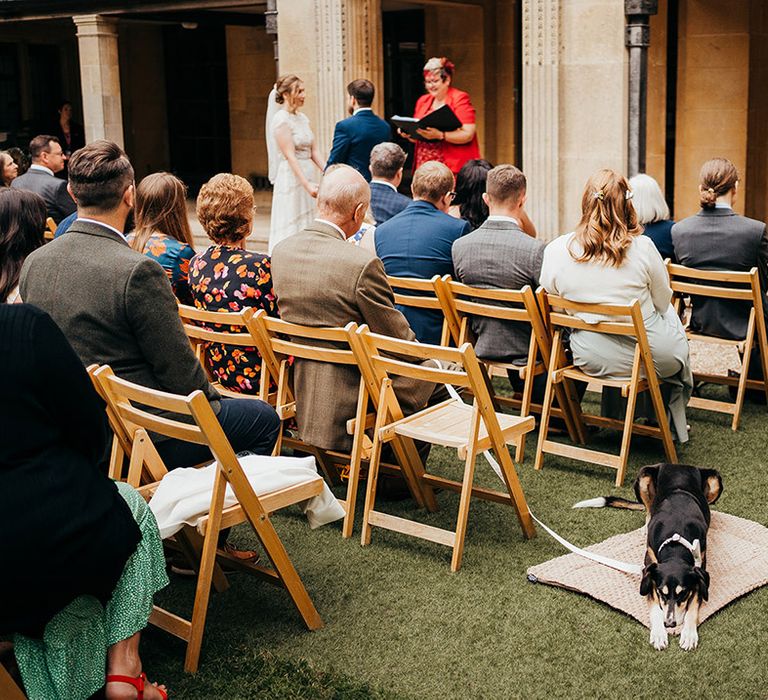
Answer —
(659, 638)
(689, 639)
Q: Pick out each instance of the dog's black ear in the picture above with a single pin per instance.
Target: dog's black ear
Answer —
(645, 485)
(703, 581)
(711, 484)
(647, 583)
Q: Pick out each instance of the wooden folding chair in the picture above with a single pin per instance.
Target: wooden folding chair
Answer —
(128, 403)
(9, 689)
(643, 378)
(423, 294)
(463, 302)
(50, 230)
(280, 341)
(471, 429)
(738, 286)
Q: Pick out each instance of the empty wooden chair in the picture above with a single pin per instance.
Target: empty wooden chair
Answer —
(280, 342)
(464, 302)
(643, 378)
(422, 294)
(471, 429)
(736, 286)
(50, 229)
(128, 403)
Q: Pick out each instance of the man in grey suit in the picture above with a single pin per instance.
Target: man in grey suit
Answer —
(323, 280)
(47, 159)
(116, 307)
(500, 255)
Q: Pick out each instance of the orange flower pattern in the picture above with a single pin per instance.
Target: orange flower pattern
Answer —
(230, 279)
(174, 257)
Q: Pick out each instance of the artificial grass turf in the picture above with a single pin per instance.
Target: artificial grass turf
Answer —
(399, 624)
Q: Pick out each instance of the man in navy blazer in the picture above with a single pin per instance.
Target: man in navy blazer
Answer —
(387, 160)
(355, 136)
(417, 242)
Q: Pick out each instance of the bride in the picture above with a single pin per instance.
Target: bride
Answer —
(293, 157)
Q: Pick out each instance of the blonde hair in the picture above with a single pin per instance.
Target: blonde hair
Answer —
(286, 85)
(608, 220)
(647, 199)
(225, 208)
(161, 206)
(716, 178)
(432, 181)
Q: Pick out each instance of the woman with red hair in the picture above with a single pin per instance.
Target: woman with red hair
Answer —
(454, 148)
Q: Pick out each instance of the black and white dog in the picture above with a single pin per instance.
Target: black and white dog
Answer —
(675, 581)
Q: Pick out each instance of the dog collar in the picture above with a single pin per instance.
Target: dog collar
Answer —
(693, 547)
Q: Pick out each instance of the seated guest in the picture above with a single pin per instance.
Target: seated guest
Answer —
(116, 307)
(22, 223)
(227, 277)
(65, 223)
(500, 254)
(321, 280)
(77, 611)
(606, 260)
(716, 238)
(387, 160)
(162, 229)
(47, 159)
(653, 213)
(417, 242)
(8, 169)
(468, 204)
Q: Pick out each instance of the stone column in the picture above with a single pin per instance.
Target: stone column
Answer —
(363, 46)
(541, 85)
(100, 77)
(329, 60)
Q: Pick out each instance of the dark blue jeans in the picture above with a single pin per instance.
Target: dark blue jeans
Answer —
(249, 424)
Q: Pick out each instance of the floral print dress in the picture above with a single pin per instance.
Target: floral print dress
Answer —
(229, 279)
(174, 256)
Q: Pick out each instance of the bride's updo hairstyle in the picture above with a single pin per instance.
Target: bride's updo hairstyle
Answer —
(285, 85)
(608, 219)
(716, 178)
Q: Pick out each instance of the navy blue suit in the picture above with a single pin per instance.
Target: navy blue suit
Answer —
(386, 202)
(354, 138)
(417, 243)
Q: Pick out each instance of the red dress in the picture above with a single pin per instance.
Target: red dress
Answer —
(454, 155)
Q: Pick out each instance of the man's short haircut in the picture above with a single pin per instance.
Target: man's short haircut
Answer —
(432, 181)
(386, 159)
(341, 198)
(505, 184)
(362, 90)
(225, 208)
(99, 175)
(40, 144)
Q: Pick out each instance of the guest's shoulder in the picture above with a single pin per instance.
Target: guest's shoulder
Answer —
(456, 95)
(559, 245)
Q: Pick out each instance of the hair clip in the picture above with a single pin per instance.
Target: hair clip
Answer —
(710, 190)
(628, 195)
(599, 195)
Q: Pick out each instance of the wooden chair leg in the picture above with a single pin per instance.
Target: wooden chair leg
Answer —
(546, 406)
(742, 389)
(207, 561)
(355, 462)
(466, 491)
(525, 409)
(661, 418)
(629, 420)
(116, 460)
(373, 466)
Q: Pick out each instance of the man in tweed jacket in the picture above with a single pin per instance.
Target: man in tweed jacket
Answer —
(323, 280)
(500, 255)
(116, 307)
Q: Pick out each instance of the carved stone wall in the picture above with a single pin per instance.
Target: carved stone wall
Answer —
(541, 86)
(363, 50)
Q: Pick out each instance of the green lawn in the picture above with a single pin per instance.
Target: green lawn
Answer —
(399, 624)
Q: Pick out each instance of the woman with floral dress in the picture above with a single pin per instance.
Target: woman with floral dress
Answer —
(229, 278)
(162, 229)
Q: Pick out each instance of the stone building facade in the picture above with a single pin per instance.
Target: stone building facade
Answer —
(183, 85)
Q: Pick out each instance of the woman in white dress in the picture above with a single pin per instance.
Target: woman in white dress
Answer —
(607, 260)
(294, 161)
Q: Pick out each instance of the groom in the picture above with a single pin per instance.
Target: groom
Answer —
(355, 136)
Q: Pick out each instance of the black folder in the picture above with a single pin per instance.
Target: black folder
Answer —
(443, 119)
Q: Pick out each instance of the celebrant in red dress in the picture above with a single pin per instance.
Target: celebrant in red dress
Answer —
(454, 148)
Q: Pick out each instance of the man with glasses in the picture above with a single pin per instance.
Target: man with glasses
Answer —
(47, 159)
(417, 242)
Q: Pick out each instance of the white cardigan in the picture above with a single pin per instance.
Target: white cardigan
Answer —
(641, 276)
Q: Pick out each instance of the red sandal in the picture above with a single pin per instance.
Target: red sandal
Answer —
(138, 682)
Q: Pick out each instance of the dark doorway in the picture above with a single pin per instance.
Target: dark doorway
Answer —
(403, 63)
(673, 24)
(198, 103)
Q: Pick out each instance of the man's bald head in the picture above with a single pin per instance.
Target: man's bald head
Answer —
(343, 197)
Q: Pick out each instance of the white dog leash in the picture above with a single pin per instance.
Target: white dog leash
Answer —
(605, 561)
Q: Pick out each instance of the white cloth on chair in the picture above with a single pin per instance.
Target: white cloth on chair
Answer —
(183, 496)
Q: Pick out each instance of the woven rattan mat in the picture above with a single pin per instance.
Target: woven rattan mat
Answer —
(737, 560)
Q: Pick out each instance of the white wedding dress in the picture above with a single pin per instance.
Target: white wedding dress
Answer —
(293, 208)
